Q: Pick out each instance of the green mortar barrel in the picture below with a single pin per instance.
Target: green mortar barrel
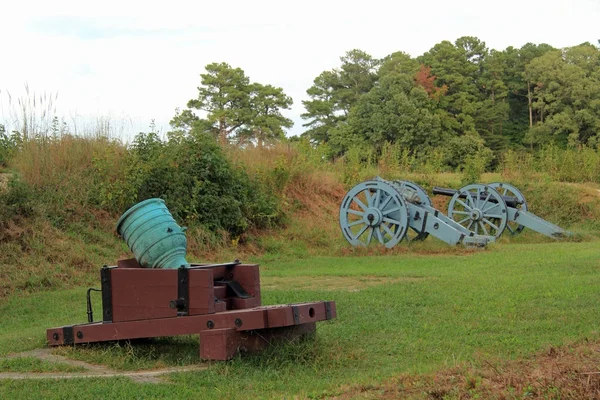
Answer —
(153, 235)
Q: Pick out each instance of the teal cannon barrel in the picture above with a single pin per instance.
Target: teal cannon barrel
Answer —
(153, 235)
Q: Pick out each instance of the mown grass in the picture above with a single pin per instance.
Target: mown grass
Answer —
(425, 312)
(33, 364)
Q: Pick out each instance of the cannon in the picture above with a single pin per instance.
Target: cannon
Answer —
(158, 293)
(387, 212)
(492, 208)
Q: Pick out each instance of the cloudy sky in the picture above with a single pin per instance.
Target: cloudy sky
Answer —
(131, 62)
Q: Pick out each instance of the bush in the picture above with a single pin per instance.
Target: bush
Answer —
(8, 144)
(198, 183)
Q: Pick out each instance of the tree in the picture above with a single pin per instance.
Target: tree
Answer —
(335, 92)
(234, 107)
(394, 111)
(224, 96)
(357, 76)
(456, 67)
(493, 108)
(398, 62)
(424, 79)
(267, 122)
(566, 95)
(321, 108)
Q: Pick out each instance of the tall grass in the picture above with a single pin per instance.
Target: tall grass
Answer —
(574, 164)
(32, 115)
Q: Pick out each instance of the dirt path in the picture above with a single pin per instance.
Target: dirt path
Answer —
(91, 370)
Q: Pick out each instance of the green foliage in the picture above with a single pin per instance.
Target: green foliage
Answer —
(474, 166)
(335, 92)
(17, 201)
(459, 97)
(8, 145)
(394, 112)
(236, 109)
(198, 183)
(566, 96)
(573, 164)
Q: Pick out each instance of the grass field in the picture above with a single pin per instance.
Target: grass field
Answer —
(404, 314)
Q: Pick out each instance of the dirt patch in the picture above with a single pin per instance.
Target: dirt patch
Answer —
(590, 192)
(349, 283)
(90, 370)
(440, 203)
(570, 372)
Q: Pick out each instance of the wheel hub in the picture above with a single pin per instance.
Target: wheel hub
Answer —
(475, 214)
(373, 216)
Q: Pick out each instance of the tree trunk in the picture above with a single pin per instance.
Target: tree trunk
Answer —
(529, 104)
(494, 108)
(222, 132)
(259, 139)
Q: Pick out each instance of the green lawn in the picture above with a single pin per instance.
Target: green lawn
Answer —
(407, 313)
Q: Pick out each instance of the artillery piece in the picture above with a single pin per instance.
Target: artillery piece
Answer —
(391, 211)
(158, 293)
(483, 209)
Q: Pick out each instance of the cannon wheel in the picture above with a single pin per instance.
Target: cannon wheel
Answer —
(424, 199)
(373, 211)
(506, 189)
(483, 211)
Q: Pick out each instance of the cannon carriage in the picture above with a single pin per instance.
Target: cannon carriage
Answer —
(388, 212)
(494, 208)
(159, 293)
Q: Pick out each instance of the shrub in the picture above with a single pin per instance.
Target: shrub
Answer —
(198, 183)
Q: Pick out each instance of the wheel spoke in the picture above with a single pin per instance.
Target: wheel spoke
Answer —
(486, 200)
(469, 199)
(476, 229)
(505, 190)
(463, 220)
(460, 212)
(377, 198)
(355, 212)
(360, 203)
(490, 208)
(469, 227)
(388, 230)
(370, 236)
(385, 203)
(391, 210)
(361, 232)
(360, 221)
(510, 229)
(483, 228)
(477, 200)
(463, 204)
(487, 221)
(380, 236)
(392, 221)
(369, 198)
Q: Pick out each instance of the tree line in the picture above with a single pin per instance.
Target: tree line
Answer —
(461, 97)
(458, 98)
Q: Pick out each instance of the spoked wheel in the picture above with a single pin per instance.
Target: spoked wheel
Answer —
(480, 209)
(506, 189)
(419, 194)
(373, 211)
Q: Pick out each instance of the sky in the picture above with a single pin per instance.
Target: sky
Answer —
(132, 62)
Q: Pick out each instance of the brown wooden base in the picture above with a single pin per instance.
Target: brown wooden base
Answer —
(222, 334)
(224, 344)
